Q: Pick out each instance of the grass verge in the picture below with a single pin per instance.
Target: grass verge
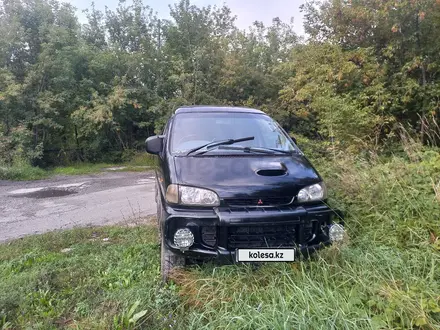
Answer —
(22, 172)
(139, 163)
(108, 278)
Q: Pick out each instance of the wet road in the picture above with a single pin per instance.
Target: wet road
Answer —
(34, 207)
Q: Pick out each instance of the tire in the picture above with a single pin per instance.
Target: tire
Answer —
(158, 214)
(157, 200)
(168, 262)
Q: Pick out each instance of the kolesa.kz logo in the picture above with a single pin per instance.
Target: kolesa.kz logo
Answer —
(253, 255)
(257, 255)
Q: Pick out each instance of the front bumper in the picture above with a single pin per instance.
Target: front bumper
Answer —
(219, 232)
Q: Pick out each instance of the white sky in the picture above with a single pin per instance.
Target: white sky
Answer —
(247, 11)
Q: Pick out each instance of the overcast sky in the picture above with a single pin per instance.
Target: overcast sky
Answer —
(247, 11)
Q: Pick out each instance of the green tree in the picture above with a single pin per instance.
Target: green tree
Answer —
(400, 34)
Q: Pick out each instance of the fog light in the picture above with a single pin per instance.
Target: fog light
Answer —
(336, 232)
(183, 238)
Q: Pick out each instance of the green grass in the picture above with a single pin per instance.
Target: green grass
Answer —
(384, 276)
(79, 169)
(357, 286)
(142, 159)
(92, 286)
(22, 172)
(139, 163)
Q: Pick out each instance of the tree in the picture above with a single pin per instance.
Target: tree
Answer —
(400, 34)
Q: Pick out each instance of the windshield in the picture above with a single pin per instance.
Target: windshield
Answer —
(192, 130)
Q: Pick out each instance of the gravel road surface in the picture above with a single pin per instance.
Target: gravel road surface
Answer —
(34, 207)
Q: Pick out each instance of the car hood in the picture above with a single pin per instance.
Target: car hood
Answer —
(232, 176)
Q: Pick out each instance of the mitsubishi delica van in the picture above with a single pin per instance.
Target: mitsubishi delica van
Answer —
(233, 186)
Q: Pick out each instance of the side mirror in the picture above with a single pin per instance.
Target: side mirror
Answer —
(154, 144)
(293, 138)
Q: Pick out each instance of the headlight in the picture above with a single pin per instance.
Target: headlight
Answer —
(191, 196)
(315, 192)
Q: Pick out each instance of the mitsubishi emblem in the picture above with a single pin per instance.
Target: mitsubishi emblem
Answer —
(260, 202)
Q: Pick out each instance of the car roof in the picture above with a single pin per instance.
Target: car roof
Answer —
(213, 108)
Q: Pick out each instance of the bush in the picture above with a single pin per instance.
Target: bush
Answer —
(18, 147)
(393, 201)
(22, 172)
(314, 148)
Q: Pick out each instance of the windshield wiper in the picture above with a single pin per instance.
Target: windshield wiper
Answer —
(263, 150)
(219, 143)
(287, 152)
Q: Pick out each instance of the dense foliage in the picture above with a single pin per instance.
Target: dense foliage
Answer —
(71, 91)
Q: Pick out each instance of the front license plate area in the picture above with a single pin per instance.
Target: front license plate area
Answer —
(264, 255)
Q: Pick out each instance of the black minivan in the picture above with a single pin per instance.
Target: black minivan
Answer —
(231, 185)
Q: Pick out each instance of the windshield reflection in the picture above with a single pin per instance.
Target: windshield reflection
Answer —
(192, 130)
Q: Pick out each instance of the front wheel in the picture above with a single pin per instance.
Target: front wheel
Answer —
(169, 261)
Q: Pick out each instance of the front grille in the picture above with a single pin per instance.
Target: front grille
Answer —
(261, 236)
(209, 235)
(270, 236)
(259, 201)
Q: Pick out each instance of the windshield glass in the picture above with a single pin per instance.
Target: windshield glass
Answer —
(192, 130)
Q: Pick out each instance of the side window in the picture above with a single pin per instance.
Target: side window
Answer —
(166, 133)
(167, 126)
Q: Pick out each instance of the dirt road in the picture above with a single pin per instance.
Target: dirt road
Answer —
(34, 207)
